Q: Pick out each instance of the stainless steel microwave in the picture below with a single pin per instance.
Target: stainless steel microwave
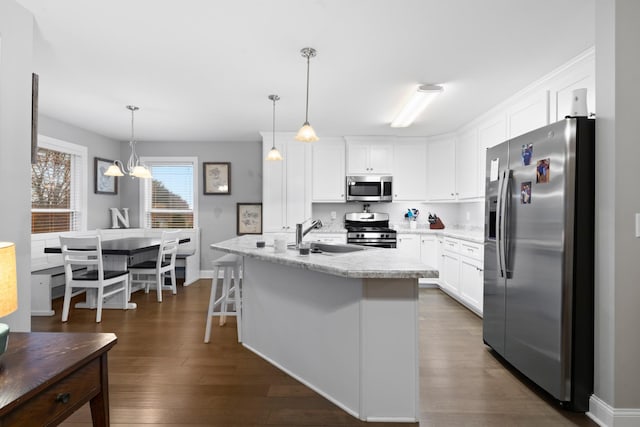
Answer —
(369, 188)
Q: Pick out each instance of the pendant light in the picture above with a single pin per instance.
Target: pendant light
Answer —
(306, 132)
(274, 154)
(135, 168)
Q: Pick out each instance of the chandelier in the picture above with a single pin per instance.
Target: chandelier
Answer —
(135, 168)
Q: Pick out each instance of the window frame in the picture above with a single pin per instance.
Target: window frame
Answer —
(79, 185)
(168, 160)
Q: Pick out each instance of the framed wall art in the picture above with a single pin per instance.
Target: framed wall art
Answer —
(249, 218)
(217, 177)
(104, 184)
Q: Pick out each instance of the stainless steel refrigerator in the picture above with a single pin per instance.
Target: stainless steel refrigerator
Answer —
(539, 244)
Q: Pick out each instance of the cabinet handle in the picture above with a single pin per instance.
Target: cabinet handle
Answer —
(63, 397)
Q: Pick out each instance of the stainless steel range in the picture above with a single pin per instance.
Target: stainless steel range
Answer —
(369, 229)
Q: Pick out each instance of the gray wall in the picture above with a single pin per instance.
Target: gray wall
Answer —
(98, 215)
(16, 46)
(217, 214)
(617, 377)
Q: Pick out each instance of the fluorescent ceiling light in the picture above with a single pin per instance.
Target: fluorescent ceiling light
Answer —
(418, 102)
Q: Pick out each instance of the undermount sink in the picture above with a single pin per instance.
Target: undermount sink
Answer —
(335, 247)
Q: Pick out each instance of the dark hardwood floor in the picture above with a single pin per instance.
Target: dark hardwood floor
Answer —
(161, 373)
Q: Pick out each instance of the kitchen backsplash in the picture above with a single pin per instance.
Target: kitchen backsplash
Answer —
(454, 215)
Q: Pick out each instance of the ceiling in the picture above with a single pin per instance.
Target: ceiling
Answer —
(201, 70)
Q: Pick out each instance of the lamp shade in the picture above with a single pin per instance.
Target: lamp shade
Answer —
(8, 281)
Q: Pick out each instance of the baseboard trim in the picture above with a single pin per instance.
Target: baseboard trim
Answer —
(607, 416)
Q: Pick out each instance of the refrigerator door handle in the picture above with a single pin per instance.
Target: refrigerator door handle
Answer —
(499, 227)
(506, 177)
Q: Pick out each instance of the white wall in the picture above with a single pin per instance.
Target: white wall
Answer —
(16, 44)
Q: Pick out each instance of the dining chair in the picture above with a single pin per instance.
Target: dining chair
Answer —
(153, 271)
(86, 251)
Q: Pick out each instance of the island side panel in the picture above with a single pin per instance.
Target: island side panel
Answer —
(306, 323)
(390, 351)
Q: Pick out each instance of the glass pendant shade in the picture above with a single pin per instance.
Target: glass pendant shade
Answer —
(306, 133)
(274, 154)
(113, 170)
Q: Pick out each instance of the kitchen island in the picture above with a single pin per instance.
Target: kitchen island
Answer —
(344, 324)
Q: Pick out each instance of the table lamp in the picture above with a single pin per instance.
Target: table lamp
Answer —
(8, 288)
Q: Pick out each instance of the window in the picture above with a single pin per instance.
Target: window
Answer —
(58, 187)
(169, 199)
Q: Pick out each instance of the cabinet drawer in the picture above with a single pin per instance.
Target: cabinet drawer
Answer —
(450, 245)
(471, 250)
(79, 387)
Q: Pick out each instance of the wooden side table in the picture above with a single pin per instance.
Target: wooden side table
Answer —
(45, 377)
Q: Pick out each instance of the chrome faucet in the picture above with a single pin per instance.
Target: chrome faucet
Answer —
(300, 232)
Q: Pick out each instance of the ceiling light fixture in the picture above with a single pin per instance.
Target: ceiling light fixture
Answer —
(306, 132)
(274, 154)
(134, 167)
(418, 102)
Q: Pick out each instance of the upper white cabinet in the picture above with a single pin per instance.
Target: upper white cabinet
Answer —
(369, 155)
(410, 169)
(581, 75)
(286, 184)
(490, 133)
(441, 168)
(328, 170)
(467, 165)
(528, 114)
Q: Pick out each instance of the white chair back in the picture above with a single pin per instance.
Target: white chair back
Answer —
(83, 251)
(168, 248)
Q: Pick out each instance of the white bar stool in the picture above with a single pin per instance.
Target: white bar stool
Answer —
(230, 264)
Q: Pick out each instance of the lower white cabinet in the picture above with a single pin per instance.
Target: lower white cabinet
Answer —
(429, 254)
(471, 282)
(409, 245)
(461, 272)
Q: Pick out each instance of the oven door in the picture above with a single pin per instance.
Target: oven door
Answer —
(373, 243)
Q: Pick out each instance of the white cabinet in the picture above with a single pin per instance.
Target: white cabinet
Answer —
(328, 171)
(369, 155)
(528, 114)
(471, 282)
(410, 169)
(429, 254)
(490, 133)
(462, 274)
(582, 75)
(286, 184)
(441, 167)
(466, 153)
(408, 245)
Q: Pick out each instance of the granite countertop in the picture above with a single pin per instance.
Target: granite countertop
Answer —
(473, 235)
(367, 263)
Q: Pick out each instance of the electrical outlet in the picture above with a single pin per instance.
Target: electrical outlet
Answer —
(638, 225)
(333, 215)
(468, 216)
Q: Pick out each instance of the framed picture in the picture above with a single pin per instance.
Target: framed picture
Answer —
(104, 184)
(217, 178)
(249, 218)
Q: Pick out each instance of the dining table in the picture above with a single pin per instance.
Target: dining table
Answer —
(119, 254)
